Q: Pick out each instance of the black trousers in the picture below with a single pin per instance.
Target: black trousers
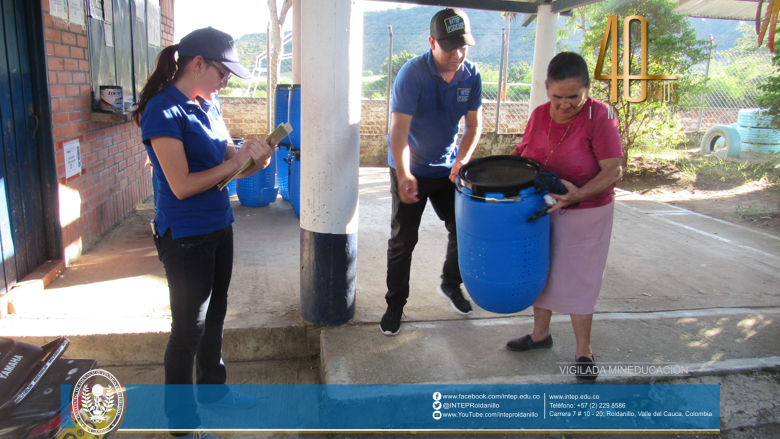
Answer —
(198, 269)
(405, 224)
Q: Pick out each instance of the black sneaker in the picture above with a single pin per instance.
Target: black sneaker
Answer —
(391, 321)
(455, 296)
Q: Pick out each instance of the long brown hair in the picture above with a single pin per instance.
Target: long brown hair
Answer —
(167, 70)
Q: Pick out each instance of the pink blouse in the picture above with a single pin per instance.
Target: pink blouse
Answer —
(592, 136)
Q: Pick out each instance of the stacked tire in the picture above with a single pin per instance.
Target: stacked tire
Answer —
(755, 131)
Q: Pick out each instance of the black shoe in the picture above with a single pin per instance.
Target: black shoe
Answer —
(586, 369)
(391, 321)
(456, 299)
(526, 343)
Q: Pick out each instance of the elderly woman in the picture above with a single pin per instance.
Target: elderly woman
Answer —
(573, 136)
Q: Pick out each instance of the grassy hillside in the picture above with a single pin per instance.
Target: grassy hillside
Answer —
(411, 30)
(249, 46)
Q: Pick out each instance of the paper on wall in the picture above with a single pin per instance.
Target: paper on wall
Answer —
(108, 30)
(76, 12)
(72, 155)
(108, 11)
(95, 9)
(140, 10)
(58, 8)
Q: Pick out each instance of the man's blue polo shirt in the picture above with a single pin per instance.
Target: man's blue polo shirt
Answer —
(200, 127)
(436, 108)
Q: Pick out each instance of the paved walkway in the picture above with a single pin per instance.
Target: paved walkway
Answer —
(680, 288)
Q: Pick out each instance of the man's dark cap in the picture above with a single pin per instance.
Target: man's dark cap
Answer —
(451, 28)
(213, 45)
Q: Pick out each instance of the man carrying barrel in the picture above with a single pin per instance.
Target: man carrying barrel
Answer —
(431, 94)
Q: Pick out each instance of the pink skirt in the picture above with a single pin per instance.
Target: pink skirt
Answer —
(579, 244)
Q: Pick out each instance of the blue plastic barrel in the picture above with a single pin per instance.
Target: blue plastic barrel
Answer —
(295, 181)
(283, 171)
(281, 105)
(295, 115)
(231, 187)
(281, 115)
(260, 188)
(504, 260)
(281, 102)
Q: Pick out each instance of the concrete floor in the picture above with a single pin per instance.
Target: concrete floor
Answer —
(680, 287)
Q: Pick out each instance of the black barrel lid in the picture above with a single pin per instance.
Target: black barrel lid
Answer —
(295, 154)
(283, 86)
(505, 174)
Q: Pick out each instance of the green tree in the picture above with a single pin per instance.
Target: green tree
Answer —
(740, 71)
(672, 49)
(520, 72)
(378, 88)
(770, 91)
(770, 97)
(488, 72)
(398, 61)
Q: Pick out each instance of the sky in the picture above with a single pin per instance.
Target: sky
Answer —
(239, 17)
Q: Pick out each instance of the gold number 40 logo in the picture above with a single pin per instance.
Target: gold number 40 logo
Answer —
(610, 32)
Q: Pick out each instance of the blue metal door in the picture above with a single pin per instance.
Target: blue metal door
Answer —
(22, 235)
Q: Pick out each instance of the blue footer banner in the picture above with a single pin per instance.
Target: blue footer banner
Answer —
(604, 407)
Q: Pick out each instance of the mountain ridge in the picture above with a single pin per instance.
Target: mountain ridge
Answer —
(411, 29)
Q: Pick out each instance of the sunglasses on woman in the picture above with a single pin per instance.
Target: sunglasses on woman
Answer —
(225, 75)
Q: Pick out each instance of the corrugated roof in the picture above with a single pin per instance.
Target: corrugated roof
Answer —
(723, 9)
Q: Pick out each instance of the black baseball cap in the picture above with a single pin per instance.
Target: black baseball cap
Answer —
(213, 45)
(451, 28)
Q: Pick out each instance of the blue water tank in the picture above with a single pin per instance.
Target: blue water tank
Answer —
(295, 115)
(231, 187)
(259, 189)
(295, 181)
(282, 115)
(504, 260)
(281, 103)
(283, 171)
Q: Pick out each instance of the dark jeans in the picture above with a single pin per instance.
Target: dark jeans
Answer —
(198, 269)
(405, 223)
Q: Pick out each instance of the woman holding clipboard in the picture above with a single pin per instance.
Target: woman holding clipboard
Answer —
(191, 152)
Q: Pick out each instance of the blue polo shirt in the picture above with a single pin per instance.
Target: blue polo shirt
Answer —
(200, 127)
(436, 108)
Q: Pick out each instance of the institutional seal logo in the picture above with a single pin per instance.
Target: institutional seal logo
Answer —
(98, 402)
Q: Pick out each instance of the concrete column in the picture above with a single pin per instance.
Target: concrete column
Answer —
(296, 42)
(331, 68)
(544, 51)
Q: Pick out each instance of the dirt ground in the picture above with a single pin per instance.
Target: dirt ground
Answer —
(713, 185)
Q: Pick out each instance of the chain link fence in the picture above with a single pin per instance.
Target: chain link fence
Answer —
(488, 60)
(732, 84)
(513, 107)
